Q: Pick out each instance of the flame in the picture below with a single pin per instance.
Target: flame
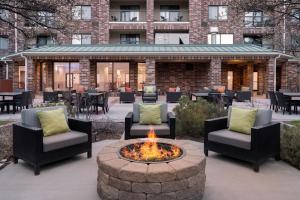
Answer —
(151, 150)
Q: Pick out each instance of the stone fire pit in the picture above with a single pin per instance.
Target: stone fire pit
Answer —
(181, 178)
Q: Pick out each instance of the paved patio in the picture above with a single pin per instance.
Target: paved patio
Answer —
(118, 111)
(75, 178)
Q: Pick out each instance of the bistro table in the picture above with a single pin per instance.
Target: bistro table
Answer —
(289, 96)
(10, 94)
(97, 96)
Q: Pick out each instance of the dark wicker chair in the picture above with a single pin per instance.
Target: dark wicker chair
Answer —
(214, 97)
(173, 97)
(50, 97)
(127, 97)
(282, 102)
(150, 97)
(228, 98)
(264, 141)
(273, 100)
(30, 145)
(242, 96)
(135, 130)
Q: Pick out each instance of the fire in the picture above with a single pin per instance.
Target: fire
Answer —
(151, 150)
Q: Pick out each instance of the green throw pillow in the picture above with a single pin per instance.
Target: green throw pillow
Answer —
(149, 89)
(242, 120)
(53, 122)
(150, 114)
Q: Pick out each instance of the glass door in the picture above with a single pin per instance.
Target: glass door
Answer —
(66, 75)
(141, 76)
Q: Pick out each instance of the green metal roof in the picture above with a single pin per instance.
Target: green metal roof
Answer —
(147, 49)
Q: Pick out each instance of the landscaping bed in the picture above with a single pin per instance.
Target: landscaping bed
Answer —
(5, 140)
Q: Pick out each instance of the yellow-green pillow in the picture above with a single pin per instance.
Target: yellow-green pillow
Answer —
(242, 120)
(150, 114)
(149, 89)
(53, 122)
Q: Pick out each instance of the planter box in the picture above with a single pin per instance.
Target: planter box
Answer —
(6, 141)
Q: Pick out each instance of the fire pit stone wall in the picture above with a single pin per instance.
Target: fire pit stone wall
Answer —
(179, 179)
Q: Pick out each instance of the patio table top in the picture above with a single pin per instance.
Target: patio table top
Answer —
(292, 94)
(10, 93)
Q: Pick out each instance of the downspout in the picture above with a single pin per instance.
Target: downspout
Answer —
(26, 71)
(275, 70)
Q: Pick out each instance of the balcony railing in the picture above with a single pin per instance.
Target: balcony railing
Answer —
(127, 15)
(172, 16)
(259, 21)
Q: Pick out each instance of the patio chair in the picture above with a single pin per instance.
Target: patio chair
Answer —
(282, 102)
(135, 130)
(103, 102)
(149, 93)
(228, 98)
(273, 100)
(214, 97)
(262, 143)
(242, 96)
(127, 96)
(30, 145)
(51, 97)
(173, 95)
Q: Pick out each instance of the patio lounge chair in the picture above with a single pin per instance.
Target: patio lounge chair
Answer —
(173, 96)
(30, 145)
(273, 100)
(262, 143)
(51, 97)
(127, 96)
(149, 96)
(242, 96)
(135, 130)
(282, 103)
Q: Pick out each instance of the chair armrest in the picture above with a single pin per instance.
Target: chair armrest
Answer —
(266, 138)
(27, 141)
(84, 126)
(216, 124)
(128, 124)
(172, 124)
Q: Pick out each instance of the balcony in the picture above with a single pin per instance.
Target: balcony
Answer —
(258, 21)
(127, 15)
(172, 16)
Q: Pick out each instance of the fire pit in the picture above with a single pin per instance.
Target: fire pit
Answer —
(152, 168)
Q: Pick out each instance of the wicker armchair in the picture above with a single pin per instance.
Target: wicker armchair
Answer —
(173, 97)
(264, 141)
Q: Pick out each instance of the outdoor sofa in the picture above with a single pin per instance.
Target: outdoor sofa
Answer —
(30, 145)
(262, 143)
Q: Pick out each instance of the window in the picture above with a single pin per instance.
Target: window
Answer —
(170, 13)
(171, 38)
(255, 81)
(46, 18)
(217, 12)
(44, 40)
(220, 38)
(82, 12)
(130, 13)
(295, 15)
(129, 39)
(295, 42)
(259, 41)
(81, 39)
(3, 42)
(257, 19)
(4, 14)
(230, 80)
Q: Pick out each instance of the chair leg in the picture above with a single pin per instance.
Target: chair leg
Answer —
(37, 170)
(206, 152)
(15, 159)
(256, 167)
(277, 157)
(89, 154)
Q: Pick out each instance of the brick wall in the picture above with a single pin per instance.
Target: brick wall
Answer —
(214, 72)
(84, 67)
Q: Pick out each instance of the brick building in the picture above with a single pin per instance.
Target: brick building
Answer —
(190, 44)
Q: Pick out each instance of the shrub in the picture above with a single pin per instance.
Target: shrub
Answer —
(290, 144)
(190, 116)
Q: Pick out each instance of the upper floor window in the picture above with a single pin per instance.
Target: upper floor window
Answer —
(295, 15)
(171, 38)
(130, 13)
(82, 12)
(170, 13)
(4, 14)
(129, 39)
(217, 12)
(45, 18)
(257, 19)
(220, 38)
(259, 41)
(81, 39)
(3, 42)
(44, 40)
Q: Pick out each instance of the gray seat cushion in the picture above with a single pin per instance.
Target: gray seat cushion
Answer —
(231, 138)
(59, 141)
(29, 116)
(263, 116)
(142, 130)
(163, 114)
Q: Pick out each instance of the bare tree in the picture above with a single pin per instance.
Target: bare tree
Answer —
(285, 16)
(51, 15)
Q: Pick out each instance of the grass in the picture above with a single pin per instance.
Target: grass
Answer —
(294, 123)
(4, 122)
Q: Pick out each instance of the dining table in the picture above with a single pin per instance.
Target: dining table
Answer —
(13, 95)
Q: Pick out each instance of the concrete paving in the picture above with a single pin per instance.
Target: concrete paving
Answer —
(75, 179)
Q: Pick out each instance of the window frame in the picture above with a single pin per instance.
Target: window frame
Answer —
(81, 38)
(218, 12)
(80, 14)
(170, 12)
(220, 35)
(6, 42)
(137, 38)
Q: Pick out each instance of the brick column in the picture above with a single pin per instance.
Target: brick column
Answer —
(150, 72)
(261, 77)
(15, 77)
(31, 75)
(214, 72)
(93, 74)
(250, 75)
(195, 9)
(270, 75)
(133, 71)
(84, 67)
(150, 19)
(291, 76)
(104, 21)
